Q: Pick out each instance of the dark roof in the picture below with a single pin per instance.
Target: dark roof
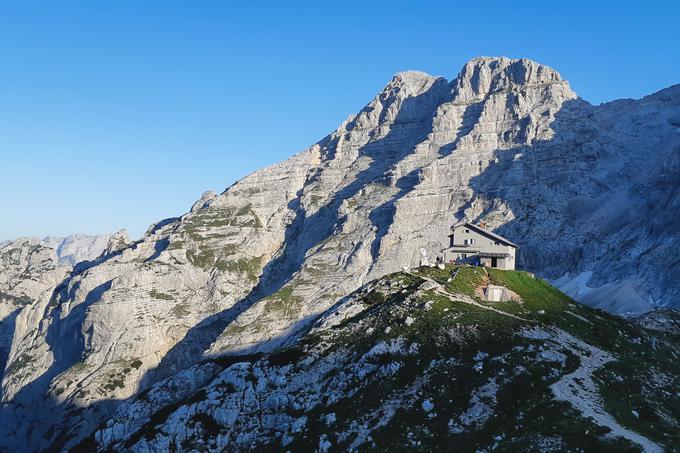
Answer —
(485, 232)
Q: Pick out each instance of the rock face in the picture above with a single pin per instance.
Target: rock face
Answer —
(31, 268)
(73, 249)
(28, 271)
(590, 193)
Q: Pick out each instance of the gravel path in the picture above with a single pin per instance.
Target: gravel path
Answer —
(579, 389)
(439, 288)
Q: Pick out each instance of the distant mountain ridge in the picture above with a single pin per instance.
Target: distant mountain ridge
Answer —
(590, 193)
(75, 248)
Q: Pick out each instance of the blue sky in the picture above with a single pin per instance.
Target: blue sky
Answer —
(118, 114)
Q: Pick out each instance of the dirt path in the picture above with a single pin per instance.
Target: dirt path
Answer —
(579, 389)
(439, 289)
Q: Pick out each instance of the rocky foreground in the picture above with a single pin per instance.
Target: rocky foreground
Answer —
(419, 361)
(590, 193)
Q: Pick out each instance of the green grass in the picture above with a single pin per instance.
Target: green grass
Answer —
(79, 367)
(116, 377)
(205, 259)
(525, 410)
(176, 245)
(449, 334)
(251, 267)
(217, 219)
(159, 295)
(18, 364)
(374, 297)
(19, 301)
(283, 301)
(180, 310)
(659, 408)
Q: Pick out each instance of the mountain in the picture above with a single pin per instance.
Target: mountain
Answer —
(32, 268)
(416, 360)
(75, 248)
(28, 271)
(590, 193)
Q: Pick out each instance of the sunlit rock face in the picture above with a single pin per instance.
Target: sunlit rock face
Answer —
(76, 248)
(590, 193)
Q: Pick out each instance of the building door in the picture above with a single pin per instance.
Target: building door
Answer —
(494, 262)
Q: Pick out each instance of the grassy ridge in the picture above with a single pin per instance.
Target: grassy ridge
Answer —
(456, 372)
(525, 413)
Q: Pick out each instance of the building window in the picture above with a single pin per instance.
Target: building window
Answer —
(496, 243)
(472, 241)
(467, 231)
(463, 256)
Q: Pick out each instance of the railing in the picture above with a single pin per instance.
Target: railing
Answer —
(466, 247)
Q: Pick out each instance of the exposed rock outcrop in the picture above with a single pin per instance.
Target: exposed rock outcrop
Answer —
(75, 248)
(29, 270)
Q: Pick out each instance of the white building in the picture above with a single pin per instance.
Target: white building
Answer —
(472, 244)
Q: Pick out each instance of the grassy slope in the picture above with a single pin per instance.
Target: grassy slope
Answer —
(446, 370)
(525, 414)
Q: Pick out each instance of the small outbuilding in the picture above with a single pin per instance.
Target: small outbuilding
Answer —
(474, 244)
(497, 293)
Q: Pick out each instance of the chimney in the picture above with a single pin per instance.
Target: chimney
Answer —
(482, 224)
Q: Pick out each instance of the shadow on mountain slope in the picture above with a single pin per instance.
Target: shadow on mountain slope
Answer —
(382, 217)
(67, 344)
(86, 440)
(411, 126)
(586, 200)
(6, 333)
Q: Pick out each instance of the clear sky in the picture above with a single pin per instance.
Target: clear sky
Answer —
(118, 114)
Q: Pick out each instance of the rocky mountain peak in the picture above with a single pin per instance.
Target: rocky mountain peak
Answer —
(412, 83)
(485, 75)
(205, 200)
(117, 241)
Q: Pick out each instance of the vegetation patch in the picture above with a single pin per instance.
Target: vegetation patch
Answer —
(116, 379)
(176, 245)
(136, 364)
(19, 301)
(114, 383)
(208, 220)
(251, 267)
(284, 301)
(205, 259)
(79, 367)
(180, 310)
(19, 364)
(374, 297)
(159, 295)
